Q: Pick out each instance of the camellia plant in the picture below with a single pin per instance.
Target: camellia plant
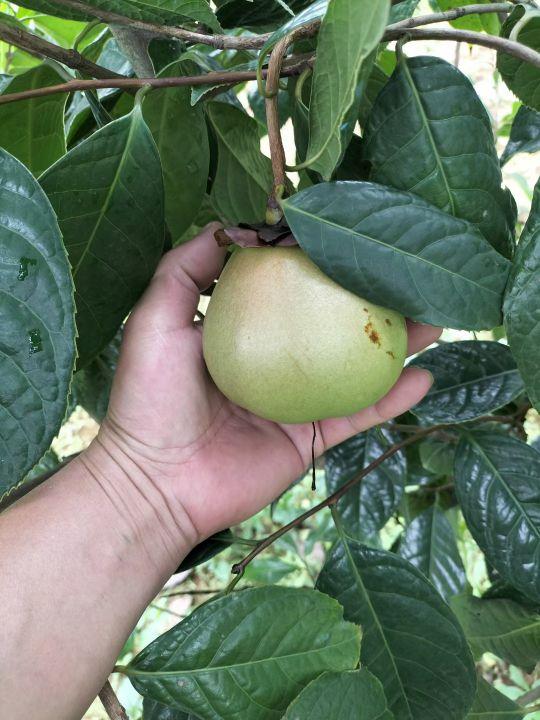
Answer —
(124, 129)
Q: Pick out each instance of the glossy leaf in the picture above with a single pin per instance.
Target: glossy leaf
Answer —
(522, 78)
(182, 140)
(430, 545)
(367, 507)
(153, 710)
(496, 479)
(33, 130)
(108, 195)
(411, 640)
(396, 250)
(352, 695)
(161, 12)
(206, 550)
(349, 32)
(524, 134)
(244, 175)
(521, 303)
(247, 654)
(490, 704)
(429, 133)
(91, 386)
(471, 378)
(249, 14)
(502, 627)
(37, 332)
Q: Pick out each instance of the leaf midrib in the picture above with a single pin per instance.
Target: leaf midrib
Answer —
(488, 378)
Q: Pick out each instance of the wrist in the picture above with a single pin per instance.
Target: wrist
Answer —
(147, 513)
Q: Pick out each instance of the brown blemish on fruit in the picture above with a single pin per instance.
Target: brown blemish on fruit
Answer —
(372, 334)
(389, 352)
(366, 310)
(387, 321)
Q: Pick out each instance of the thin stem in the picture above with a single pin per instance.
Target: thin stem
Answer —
(529, 697)
(111, 703)
(452, 14)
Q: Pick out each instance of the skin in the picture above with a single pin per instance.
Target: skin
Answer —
(85, 553)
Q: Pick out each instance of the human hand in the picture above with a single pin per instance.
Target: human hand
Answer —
(216, 461)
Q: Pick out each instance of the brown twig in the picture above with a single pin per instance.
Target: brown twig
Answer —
(212, 78)
(40, 48)
(111, 703)
(453, 14)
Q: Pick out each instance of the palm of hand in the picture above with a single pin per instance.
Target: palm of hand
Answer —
(222, 462)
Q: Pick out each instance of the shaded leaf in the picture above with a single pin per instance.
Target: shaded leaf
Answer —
(206, 550)
(524, 134)
(430, 545)
(496, 479)
(349, 32)
(489, 704)
(393, 249)
(472, 378)
(92, 385)
(411, 640)
(37, 332)
(502, 627)
(244, 175)
(182, 140)
(33, 130)
(247, 654)
(376, 81)
(249, 14)
(522, 301)
(403, 10)
(108, 195)
(352, 695)
(522, 78)
(437, 456)
(429, 133)
(367, 507)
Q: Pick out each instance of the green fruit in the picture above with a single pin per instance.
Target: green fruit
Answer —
(286, 342)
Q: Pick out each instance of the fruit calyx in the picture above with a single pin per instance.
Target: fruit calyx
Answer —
(253, 236)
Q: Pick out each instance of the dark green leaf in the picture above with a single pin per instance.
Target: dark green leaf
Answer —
(257, 105)
(249, 14)
(182, 139)
(153, 710)
(430, 545)
(92, 385)
(33, 130)
(247, 654)
(367, 507)
(522, 301)
(349, 32)
(376, 81)
(524, 134)
(471, 378)
(502, 627)
(352, 695)
(490, 704)
(411, 640)
(244, 175)
(37, 332)
(108, 196)
(403, 10)
(522, 78)
(497, 484)
(429, 133)
(396, 250)
(206, 550)
(161, 12)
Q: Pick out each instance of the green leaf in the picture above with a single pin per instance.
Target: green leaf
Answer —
(496, 479)
(502, 627)
(352, 695)
(108, 195)
(429, 133)
(153, 710)
(437, 456)
(349, 32)
(430, 545)
(249, 14)
(247, 654)
(33, 130)
(403, 10)
(92, 385)
(490, 704)
(244, 175)
(396, 250)
(472, 378)
(182, 140)
(367, 507)
(411, 640)
(524, 134)
(522, 300)
(206, 550)
(522, 78)
(37, 332)
(376, 81)
(488, 22)
(161, 12)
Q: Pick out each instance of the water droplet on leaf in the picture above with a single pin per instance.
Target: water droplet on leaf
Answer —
(24, 265)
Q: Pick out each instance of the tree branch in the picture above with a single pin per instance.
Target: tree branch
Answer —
(111, 703)
(40, 48)
(212, 78)
(453, 14)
